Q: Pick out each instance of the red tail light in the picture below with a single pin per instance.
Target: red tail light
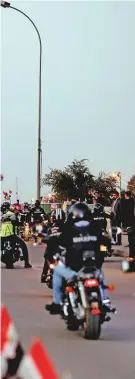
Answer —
(69, 289)
(95, 312)
(91, 283)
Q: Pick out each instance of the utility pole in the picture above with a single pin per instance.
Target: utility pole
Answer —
(16, 186)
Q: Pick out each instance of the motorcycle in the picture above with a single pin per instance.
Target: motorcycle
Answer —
(37, 227)
(11, 255)
(81, 297)
(82, 301)
(108, 251)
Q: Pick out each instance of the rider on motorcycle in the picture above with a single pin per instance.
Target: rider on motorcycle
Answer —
(25, 214)
(56, 222)
(37, 216)
(37, 213)
(8, 224)
(100, 218)
(79, 234)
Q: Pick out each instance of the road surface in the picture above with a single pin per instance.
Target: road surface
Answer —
(111, 357)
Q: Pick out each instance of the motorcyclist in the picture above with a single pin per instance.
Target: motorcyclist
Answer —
(37, 213)
(8, 229)
(131, 238)
(25, 214)
(56, 222)
(80, 233)
(100, 218)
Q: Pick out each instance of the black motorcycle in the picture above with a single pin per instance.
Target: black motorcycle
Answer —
(82, 303)
(11, 254)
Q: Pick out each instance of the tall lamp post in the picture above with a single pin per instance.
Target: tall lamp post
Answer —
(5, 4)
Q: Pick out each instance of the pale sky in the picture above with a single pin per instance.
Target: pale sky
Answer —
(88, 88)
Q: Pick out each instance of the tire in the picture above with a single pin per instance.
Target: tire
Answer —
(9, 259)
(9, 264)
(93, 326)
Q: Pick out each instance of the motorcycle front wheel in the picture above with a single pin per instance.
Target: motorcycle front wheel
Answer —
(92, 326)
(9, 261)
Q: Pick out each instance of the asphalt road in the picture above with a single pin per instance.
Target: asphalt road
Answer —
(111, 357)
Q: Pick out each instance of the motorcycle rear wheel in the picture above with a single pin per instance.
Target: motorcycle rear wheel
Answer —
(92, 326)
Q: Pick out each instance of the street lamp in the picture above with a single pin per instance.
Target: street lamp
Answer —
(6, 4)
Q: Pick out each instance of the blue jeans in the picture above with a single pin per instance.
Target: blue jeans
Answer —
(67, 273)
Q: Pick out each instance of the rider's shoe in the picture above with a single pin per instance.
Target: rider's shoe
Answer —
(54, 309)
(27, 265)
(107, 304)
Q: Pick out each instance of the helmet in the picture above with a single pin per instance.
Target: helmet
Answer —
(37, 203)
(79, 211)
(5, 207)
(26, 205)
(98, 209)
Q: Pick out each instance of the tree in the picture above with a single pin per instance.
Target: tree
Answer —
(73, 182)
(131, 184)
(105, 184)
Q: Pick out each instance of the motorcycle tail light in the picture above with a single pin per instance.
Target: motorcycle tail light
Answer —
(89, 283)
(95, 312)
(69, 289)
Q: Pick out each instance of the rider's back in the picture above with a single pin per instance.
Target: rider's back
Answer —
(79, 237)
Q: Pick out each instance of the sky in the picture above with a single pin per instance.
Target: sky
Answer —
(88, 89)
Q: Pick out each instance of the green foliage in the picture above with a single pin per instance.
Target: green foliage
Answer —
(105, 184)
(76, 180)
(131, 184)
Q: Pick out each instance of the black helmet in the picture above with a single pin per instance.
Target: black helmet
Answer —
(98, 209)
(79, 211)
(5, 207)
(37, 203)
(26, 205)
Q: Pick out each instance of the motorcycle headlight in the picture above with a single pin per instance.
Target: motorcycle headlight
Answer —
(103, 248)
